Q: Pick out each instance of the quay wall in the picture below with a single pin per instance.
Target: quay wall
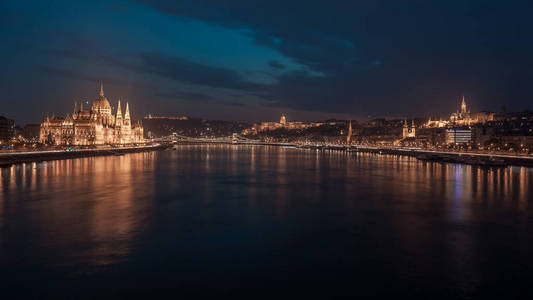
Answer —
(453, 157)
(8, 159)
(459, 156)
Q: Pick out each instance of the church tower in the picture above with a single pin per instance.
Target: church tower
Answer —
(405, 129)
(349, 136)
(408, 131)
(283, 120)
(463, 106)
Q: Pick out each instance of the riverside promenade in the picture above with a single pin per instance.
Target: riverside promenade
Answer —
(462, 157)
(450, 156)
(9, 158)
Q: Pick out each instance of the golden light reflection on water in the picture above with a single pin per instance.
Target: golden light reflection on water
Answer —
(99, 205)
(93, 204)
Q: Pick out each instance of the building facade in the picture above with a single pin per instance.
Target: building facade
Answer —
(7, 129)
(283, 123)
(462, 117)
(95, 126)
(458, 135)
(31, 132)
(408, 132)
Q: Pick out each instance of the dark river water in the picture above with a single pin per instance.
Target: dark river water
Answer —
(255, 221)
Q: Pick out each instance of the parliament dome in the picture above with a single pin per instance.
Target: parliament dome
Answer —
(101, 103)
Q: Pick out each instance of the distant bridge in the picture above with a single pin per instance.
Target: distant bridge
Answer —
(234, 139)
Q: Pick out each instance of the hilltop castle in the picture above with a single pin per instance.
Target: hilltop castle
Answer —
(462, 117)
(283, 123)
(95, 126)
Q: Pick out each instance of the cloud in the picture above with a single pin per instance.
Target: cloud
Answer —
(379, 57)
(308, 38)
(82, 76)
(276, 65)
(183, 70)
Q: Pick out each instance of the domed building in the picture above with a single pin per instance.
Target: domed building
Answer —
(102, 107)
(101, 104)
(95, 126)
(283, 123)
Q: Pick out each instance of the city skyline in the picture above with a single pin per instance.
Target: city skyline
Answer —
(265, 148)
(460, 108)
(238, 62)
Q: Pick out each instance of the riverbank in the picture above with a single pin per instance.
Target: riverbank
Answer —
(480, 159)
(10, 158)
(483, 159)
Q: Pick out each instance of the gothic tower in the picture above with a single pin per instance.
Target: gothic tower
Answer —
(126, 128)
(118, 118)
(127, 120)
(283, 120)
(349, 136)
(118, 125)
(463, 106)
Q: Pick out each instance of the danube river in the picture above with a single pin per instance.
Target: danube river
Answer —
(223, 220)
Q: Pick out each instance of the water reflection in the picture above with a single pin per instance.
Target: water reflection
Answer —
(92, 205)
(226, 212)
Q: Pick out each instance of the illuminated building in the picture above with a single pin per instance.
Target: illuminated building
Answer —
(436, 124)
(408, 132)
(458, 135)
(150, 117)
(462, 117)
(283, 120)
(283, 123)
(95, 126)
(349, 135)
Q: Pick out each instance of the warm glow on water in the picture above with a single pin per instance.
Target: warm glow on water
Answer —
(213, 219)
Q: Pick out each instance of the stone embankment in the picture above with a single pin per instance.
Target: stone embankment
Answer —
(9, 158)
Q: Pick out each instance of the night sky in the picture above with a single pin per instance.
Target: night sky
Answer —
(251, 60)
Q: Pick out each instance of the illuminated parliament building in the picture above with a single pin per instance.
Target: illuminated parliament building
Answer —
(95, 126)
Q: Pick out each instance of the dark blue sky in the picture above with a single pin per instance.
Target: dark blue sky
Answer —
(251, 60)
